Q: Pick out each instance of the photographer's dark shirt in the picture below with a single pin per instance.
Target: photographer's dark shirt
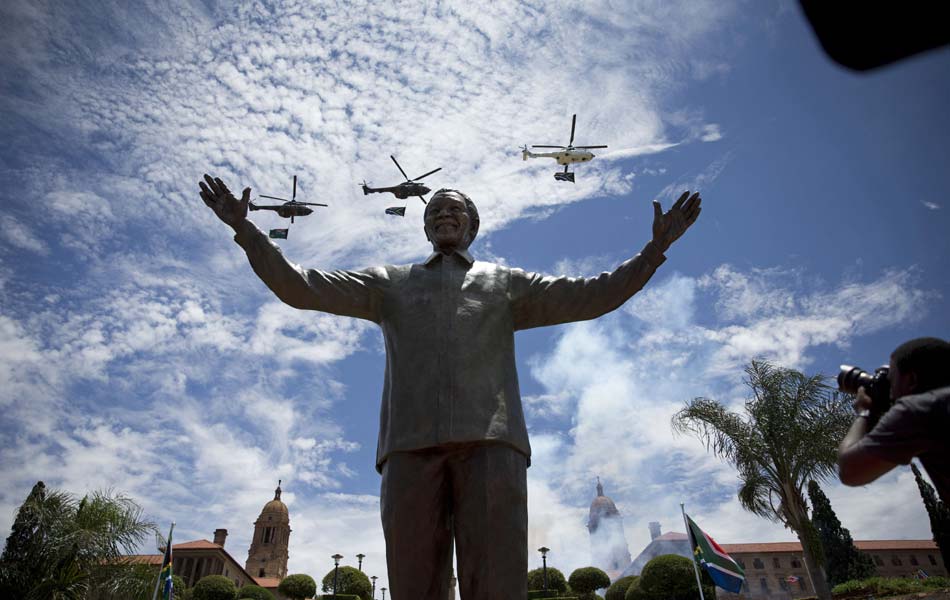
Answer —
(917, 425)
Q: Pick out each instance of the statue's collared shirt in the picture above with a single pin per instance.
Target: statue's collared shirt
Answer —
(448, 326)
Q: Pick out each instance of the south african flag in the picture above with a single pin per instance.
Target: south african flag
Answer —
(165, 576)
(724, 571)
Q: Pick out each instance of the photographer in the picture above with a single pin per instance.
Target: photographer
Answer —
(917, 424)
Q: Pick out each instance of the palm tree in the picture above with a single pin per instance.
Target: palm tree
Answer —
(788, 436)
(62, 548)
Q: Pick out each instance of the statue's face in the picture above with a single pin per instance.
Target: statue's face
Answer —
(447, 222)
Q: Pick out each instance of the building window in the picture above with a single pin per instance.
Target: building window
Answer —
(913, 560)
(896, 561)
(776, 563)
(801, 583)
(741, 563)
(260, 573)
(783, 584)
(933, 560)
(757, 564)
(764, 585)
(878, 561)
(796, 564)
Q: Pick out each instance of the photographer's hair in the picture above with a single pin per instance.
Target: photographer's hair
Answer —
(469, 206)
(928, 358)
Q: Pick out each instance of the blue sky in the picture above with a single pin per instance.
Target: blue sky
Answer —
(138, 351)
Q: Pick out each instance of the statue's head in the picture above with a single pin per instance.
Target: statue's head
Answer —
(451, 220)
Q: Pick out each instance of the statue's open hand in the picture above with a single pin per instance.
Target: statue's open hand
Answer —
(669, 226)
(220, 199)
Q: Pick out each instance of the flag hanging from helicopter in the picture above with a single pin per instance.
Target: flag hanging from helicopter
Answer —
(561, 176)
(279, 234)
(399, 211)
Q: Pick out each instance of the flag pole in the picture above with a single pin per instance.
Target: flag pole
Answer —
(692, 552)
(168, 543)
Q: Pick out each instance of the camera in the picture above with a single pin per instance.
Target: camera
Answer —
(877, 386)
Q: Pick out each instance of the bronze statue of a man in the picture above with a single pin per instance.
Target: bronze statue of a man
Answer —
(453, 447)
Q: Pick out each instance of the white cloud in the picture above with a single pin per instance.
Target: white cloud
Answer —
(930, 205)
(21, 236)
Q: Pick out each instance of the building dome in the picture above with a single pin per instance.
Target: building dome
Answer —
(601, 507)
(276, 505)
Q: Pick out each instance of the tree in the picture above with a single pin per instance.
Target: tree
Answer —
(61, 547)
(586, 580)
(669, 577)
(350, 580)
(254, 592)
(618, 589)
(298, 587)
(556, 580)
(787, 437)
(214, 587)
(842, 560)
(938, 512)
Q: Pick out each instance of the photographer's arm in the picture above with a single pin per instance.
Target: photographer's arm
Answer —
(347, 293)
(859, 462)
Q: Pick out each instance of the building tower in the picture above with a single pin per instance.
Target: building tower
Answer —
(608, 545)
(268, 554)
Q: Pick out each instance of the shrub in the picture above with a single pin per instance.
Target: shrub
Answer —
(634, 592)
(556, 580)
(618, 589)
(350, 580)
(670, 577)
(298, 587)
(888, 586)
(214, 587)
(585, 580)
(255, 592)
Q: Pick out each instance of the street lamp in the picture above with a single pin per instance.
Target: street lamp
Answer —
(336, 571)
(373, 579)
(384, 593)
(544, 561)
(360, 558)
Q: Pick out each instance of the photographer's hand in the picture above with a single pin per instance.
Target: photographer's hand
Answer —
(857, 466)
(862, 402)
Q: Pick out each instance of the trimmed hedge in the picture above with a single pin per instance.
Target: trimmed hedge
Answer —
(618, 589)
(298, 586)
(214, 587)
(556, 580)
(585, 580)
(254, 592)
(888, 586)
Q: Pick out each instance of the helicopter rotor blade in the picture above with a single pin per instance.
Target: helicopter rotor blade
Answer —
(400, 168)
(573, 123)
(311, 204)
(273, 198)
(588, 147)
(427, 174)
(561, 147)
(294, 197)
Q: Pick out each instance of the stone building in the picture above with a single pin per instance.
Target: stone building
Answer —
(608, 545)
(777, 569)
(267, 556)
(266, 560)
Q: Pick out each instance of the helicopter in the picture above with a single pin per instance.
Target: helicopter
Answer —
(568, 155)
(290, 208)
(409, 187)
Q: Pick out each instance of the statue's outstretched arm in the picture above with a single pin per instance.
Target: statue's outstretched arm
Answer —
(538, 300)
(348, 293)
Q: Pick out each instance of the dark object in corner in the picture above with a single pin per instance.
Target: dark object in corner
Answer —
(868, 35)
